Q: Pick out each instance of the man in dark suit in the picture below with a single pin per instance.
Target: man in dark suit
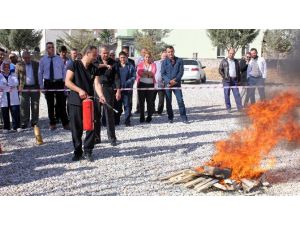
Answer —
(27, 72)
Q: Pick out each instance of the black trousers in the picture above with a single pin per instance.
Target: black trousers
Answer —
(147, 95)
(76, 126)
(56, 102)
(108, 114)
(161, 100)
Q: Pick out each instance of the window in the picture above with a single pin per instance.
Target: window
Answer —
(220, 52)
(245, 49)
(195, 55)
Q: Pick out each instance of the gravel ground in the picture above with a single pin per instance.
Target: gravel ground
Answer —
(143, 154)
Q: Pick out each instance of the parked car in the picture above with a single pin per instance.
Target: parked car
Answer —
(193, 71)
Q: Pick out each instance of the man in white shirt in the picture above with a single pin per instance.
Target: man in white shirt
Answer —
(229, 69)
(256, 75)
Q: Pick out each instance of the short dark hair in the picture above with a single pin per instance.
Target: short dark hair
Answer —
(74, 49)
(122, 53)
(125, 47)
(49, 43)
(63, 49)
(253, 49)
(170, 47)
(2, 50)
(88, 49)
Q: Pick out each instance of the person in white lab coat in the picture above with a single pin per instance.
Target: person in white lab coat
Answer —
(9, 98)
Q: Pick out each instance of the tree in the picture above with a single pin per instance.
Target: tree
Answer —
(4, 42)
(79, 39)
(24, 39)
(106, 37)
(279, 43)
(232, 38)
(152, 39)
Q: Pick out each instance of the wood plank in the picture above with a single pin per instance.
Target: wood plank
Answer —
(248, 185)
(207, 185)
(174, 174)
(220, 186)
(194, 182)
(203, 183)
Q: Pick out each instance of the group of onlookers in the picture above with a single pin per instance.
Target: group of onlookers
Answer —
(250, 71)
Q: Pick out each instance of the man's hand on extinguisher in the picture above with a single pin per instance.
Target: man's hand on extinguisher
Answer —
(82, 94)
(102, 99)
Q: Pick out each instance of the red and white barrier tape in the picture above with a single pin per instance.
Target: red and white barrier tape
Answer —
(220, 86)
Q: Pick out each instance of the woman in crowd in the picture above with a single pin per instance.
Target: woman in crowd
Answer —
(9, 98)
(146, 79)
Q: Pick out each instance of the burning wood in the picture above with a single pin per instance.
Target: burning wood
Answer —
(212, 178)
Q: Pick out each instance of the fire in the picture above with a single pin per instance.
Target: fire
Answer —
(244, 151)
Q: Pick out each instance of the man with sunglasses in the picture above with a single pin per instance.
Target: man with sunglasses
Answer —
(52, 76)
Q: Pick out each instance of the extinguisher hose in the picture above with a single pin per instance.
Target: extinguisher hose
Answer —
(108, 105)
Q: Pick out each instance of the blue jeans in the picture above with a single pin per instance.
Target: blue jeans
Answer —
(256, 81)
(235, 92)
(126, 101)
(15, 114)
(180, 102)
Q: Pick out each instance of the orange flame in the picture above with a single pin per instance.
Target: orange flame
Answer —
(273, 121)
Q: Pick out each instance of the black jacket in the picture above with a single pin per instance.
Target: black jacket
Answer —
(109, 78)
(224, 70)
(243, 67)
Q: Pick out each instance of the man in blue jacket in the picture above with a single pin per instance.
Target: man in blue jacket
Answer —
(126, 73)
(172, 71)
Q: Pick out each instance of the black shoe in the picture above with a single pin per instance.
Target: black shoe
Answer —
(113, 142)
(170, 121)
(24, 127)
(89, 157)
(149, 119)
(97, 141)
(137, 112)
(142, 119)
(127, 124)
(77, 157)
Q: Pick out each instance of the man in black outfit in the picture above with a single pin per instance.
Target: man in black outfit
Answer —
(83, 80)
(110, 80)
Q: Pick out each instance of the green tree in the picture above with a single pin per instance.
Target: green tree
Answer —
(232, 38)
(152, 39)
(279, 43)
(4, 42)
(24, 39)
(106, 37)
(20, 39)
(79, 39)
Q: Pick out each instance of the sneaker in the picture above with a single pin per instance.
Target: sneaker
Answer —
(19, 129)
(170, 121)
(185, 121)
(228, 110)
(89, 157)
(128, 124)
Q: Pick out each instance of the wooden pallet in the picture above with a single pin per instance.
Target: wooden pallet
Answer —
(212, 178)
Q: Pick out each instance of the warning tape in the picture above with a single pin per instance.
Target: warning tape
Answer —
(207, 86)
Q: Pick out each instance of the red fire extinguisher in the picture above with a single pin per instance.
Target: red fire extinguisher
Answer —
(88, 114)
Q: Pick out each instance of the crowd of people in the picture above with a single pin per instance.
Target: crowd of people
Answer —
(108, 80)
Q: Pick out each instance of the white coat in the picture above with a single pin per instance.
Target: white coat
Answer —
(10, 85)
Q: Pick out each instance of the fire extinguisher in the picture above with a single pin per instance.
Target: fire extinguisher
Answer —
(88, 114)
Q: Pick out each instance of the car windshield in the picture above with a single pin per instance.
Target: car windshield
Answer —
(190, 62)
